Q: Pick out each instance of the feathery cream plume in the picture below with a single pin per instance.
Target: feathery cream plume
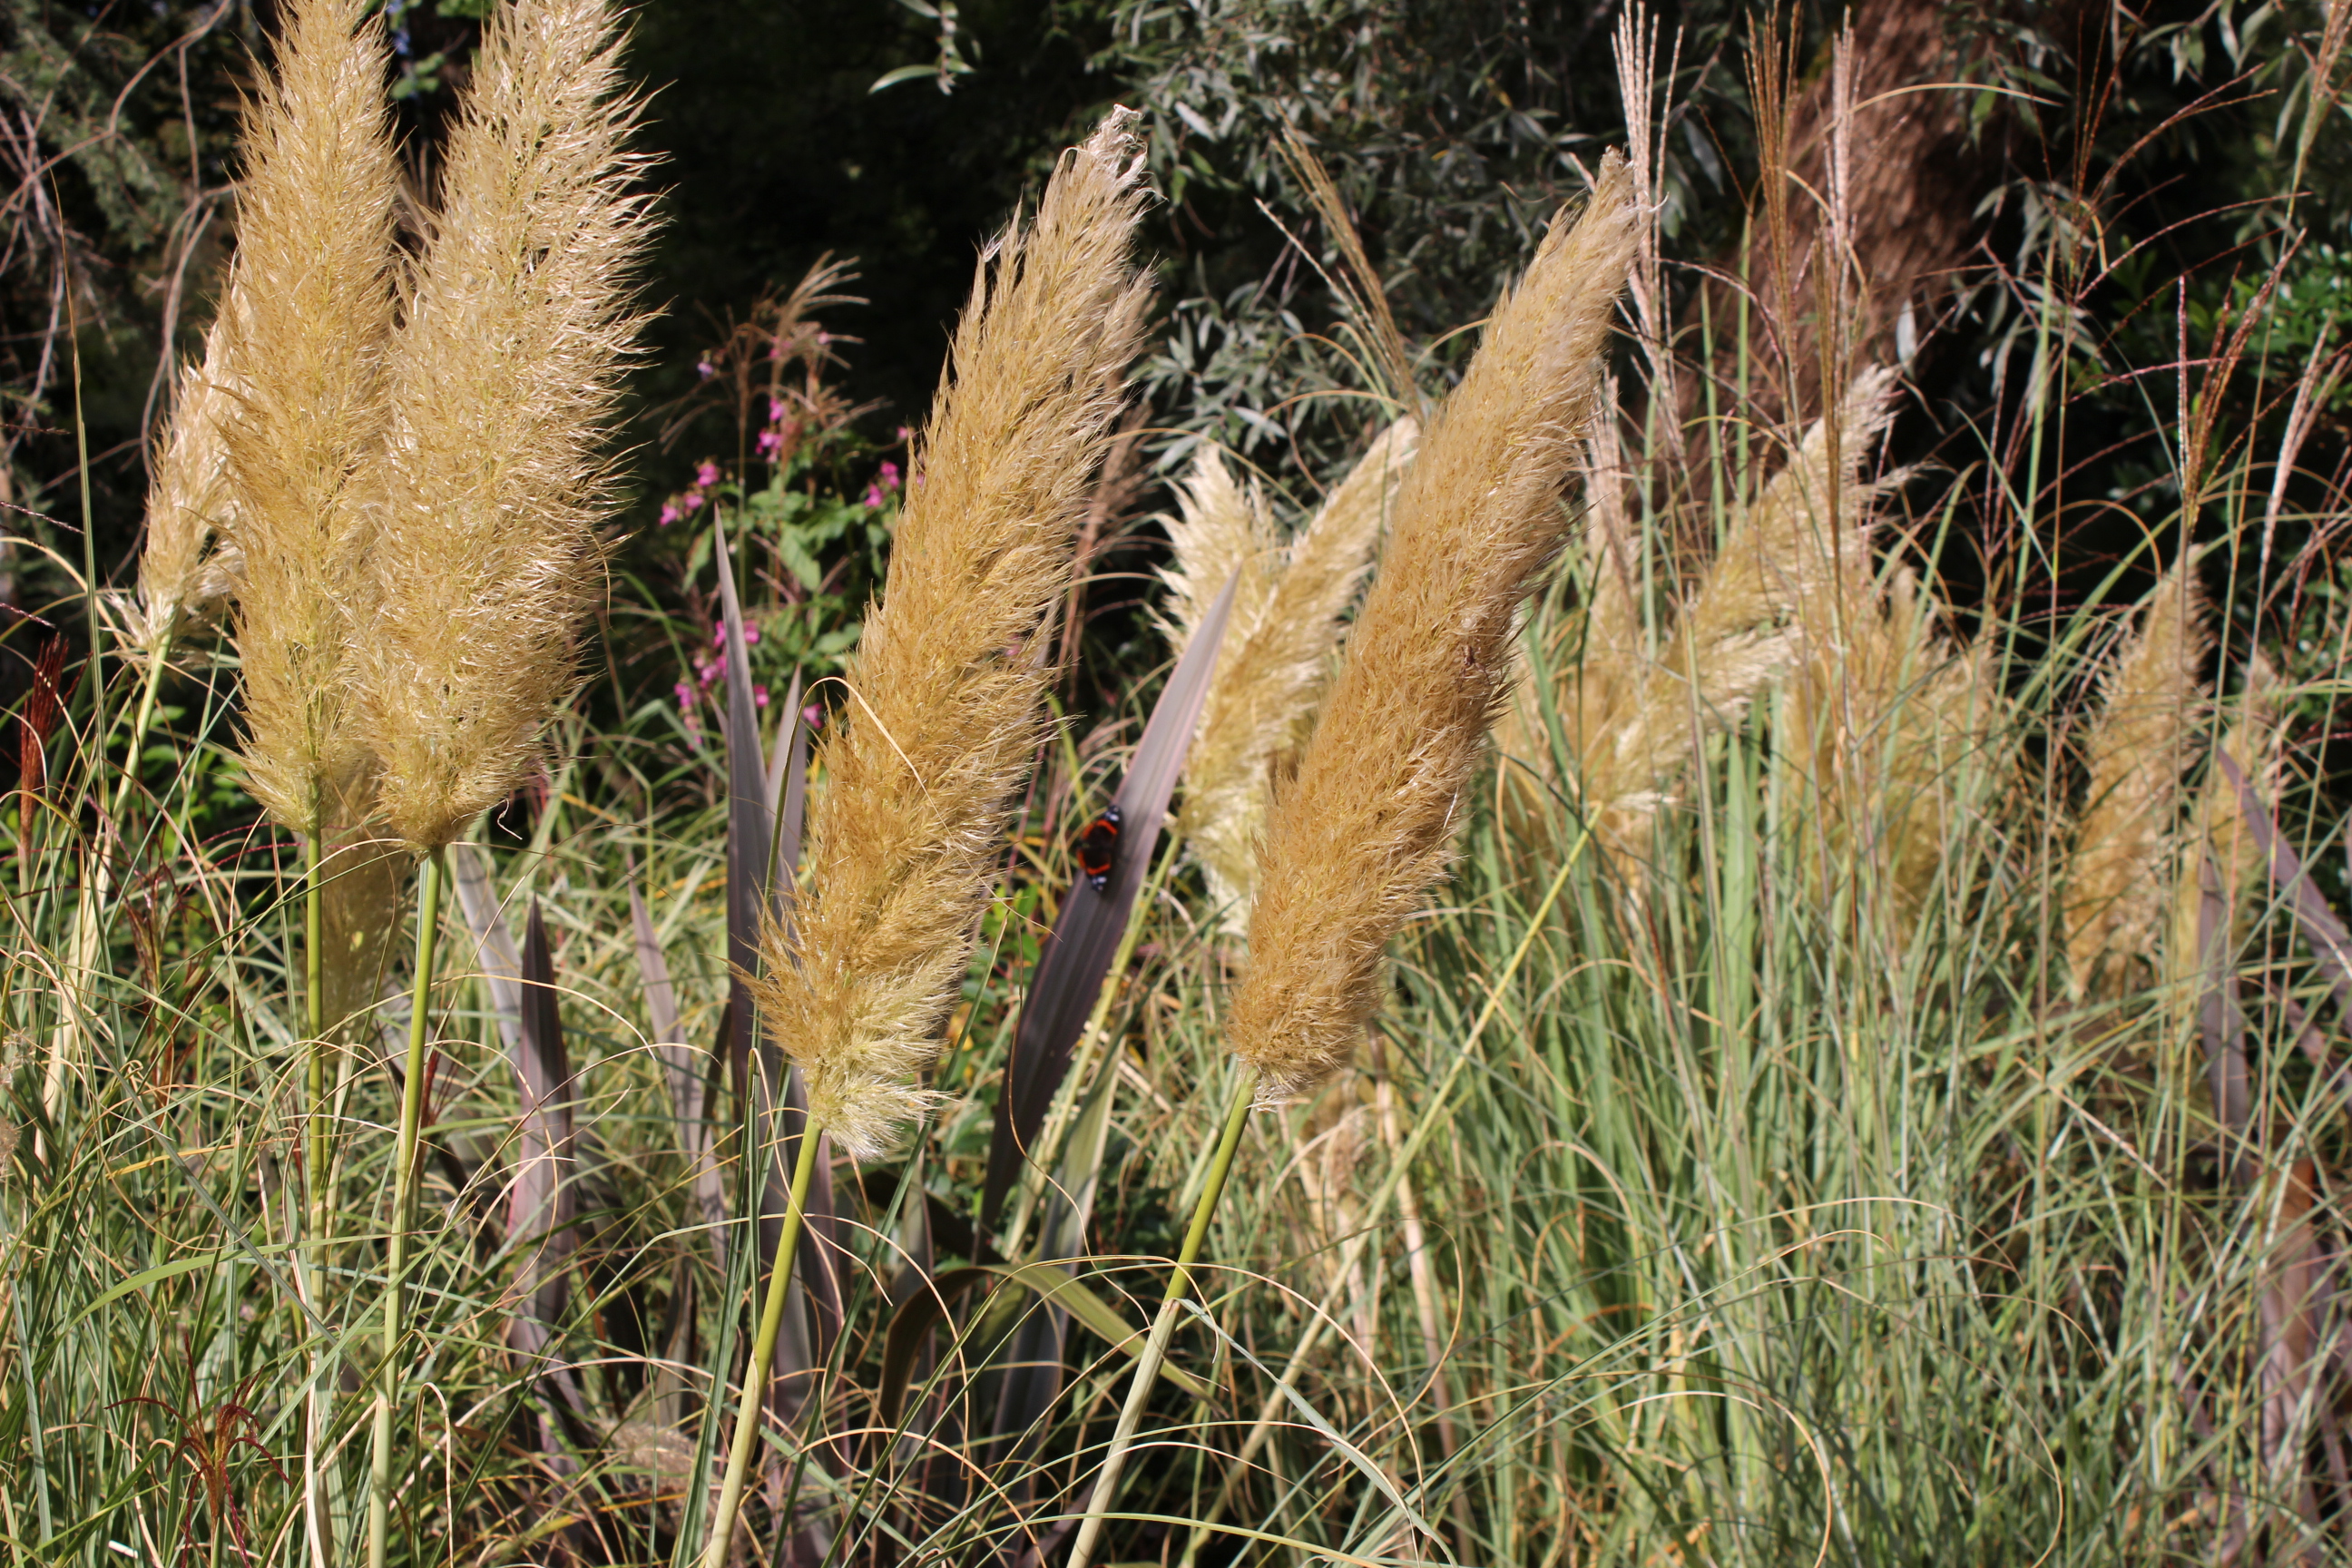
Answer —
(304, 322)
(2116, 889)
(504, 376)
(946, 688)
(1287, 620)
(1791, 559)
(2220, 851)
(1889, 725)
(184, 575)
(1356, 839)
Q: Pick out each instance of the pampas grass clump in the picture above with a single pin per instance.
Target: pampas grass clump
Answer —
(1353, 843)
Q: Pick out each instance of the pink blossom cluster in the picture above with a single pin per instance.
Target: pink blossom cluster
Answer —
(782, 432)
(689, 503)
(886, 483)
(709, 670)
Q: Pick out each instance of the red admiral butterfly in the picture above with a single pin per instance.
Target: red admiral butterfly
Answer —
(1097, 848)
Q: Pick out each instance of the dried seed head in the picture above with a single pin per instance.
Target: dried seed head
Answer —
(1285, 627)
(304, 320)
(182, 578)
(2219, 859)
(946, 688)
(504, 377)
(2138, 752)
(1354, 842)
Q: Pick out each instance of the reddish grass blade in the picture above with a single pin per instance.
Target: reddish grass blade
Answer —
(543, 1200)
(494, 948)
(1078, 954)
(2331, 944)
(687, 1069)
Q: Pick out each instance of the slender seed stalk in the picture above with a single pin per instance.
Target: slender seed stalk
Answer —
(314, 980)
(315, 1165)
(1428, 1119)
(1163, 1326)
(403, 1200)
(764, 1353)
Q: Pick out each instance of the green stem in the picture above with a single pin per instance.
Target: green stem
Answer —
(1429, 1118)
(403, 1199)
(144, 716)
(315, 1163)
(1163, 1326)
(764, 1353)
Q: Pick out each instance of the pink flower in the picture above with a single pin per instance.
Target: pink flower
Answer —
(751, 636)
(889, 479)
(692, 503)
(718, 636)
(685, 696)
(760, 696)
(704, 369)
(905, 434)
(775, 410)
(669, 513)
(874, 497)
(706, 476)
(771, 443)
(812, 715)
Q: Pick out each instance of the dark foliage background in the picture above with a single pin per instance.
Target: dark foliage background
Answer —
(2161, 151)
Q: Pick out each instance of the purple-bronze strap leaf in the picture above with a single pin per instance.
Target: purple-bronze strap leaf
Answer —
(494, 948)
(687, 1068)
(2331, 944)
(543, 1200)
(751, 824)
(1079, 950)
(2220, 1023)
(751, 889)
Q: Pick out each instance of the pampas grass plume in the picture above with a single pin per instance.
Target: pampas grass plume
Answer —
(1354, 842)
(183, 575)
(2136, 753)
(2221, 844)
(504, 376)
(304, 321)
(947, 686)
(1286, 623)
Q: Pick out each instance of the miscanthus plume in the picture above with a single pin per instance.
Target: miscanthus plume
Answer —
(945, 693)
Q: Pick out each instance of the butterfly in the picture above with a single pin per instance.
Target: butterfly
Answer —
(1097, 848)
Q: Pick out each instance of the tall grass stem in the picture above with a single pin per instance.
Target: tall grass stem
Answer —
(411, 1116)
(764, 1353)
(1425, 1125)
(1163, 1326)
